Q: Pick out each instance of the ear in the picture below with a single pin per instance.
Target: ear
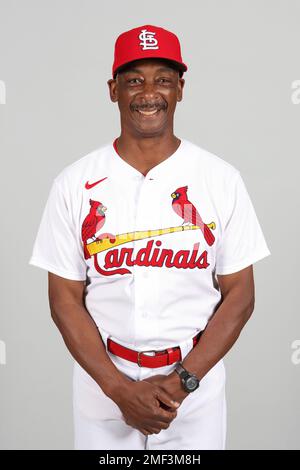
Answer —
(181, 83)
(113, 89)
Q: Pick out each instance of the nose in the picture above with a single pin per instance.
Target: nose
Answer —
(149, 91)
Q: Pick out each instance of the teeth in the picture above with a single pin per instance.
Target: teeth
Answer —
(148, 113)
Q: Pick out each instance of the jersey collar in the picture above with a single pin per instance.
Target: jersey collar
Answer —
(161, 170)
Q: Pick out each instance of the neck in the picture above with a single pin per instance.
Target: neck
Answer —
(144, 153)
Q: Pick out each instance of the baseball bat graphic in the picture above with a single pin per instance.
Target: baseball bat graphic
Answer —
(105, 244)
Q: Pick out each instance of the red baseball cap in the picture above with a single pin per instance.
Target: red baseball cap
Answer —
(145, 42)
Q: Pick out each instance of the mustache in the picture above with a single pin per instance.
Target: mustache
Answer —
(146, 106)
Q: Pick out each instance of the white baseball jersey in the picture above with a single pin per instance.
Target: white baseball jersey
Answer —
(149, 247)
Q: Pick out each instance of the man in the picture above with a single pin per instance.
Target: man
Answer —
(149, 242)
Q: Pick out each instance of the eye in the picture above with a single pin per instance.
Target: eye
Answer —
(132, 80)
(164, 80)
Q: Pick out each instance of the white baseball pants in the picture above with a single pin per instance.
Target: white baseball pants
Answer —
(200, 423)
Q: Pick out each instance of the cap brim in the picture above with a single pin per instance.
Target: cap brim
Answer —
(180, 66)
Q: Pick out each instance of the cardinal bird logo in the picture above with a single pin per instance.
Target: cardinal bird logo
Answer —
(93, 222)
(186, 209)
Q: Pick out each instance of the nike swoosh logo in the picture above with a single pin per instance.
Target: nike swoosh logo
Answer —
(91, 185)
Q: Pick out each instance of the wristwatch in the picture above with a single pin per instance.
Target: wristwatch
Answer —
(189, 381)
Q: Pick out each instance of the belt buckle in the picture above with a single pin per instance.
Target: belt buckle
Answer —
(142, 352)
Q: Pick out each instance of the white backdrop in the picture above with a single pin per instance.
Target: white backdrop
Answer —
(241, 102)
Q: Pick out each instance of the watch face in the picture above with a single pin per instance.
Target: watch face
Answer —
(192, 383)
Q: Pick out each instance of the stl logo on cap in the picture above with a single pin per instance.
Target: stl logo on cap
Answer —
(148, 40)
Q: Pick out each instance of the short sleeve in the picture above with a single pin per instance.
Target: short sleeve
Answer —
(57, 248)
(242, 242)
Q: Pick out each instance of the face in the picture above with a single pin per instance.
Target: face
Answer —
(147, 93)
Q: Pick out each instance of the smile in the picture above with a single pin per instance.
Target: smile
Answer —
(148, 113)
(153, 112)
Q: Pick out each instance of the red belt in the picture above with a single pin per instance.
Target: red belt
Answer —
(161, 358)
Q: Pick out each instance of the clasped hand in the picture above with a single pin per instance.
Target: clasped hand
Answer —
(151, 404)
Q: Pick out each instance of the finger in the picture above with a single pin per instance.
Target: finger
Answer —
(166, 416)
(164, 398)
(155, 430)
(165, 407)
(144, 431)
(155, 425)
(159, 426)
(127, 420)
(151, 430)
